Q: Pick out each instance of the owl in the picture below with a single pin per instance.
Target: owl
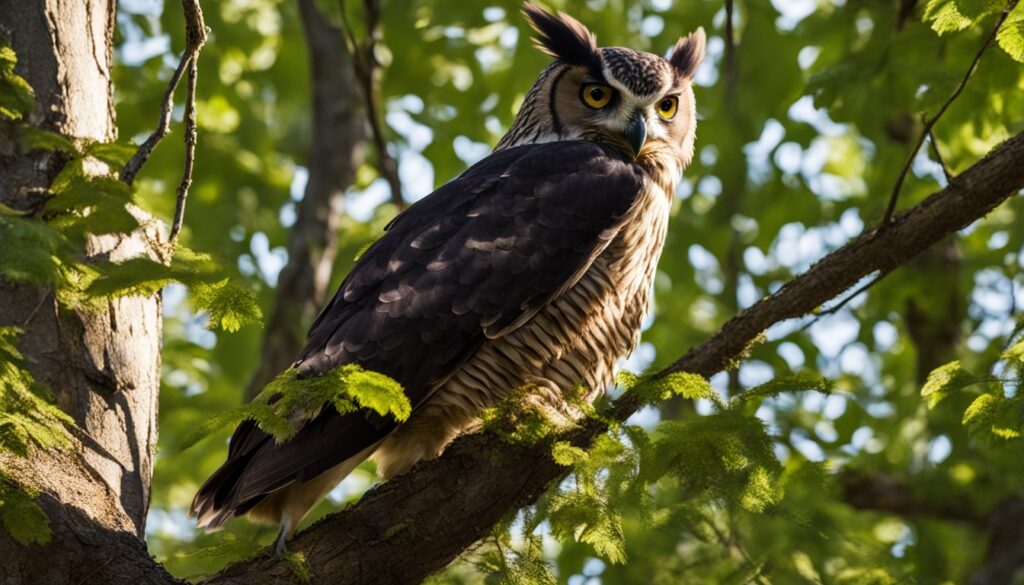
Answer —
(530, 272)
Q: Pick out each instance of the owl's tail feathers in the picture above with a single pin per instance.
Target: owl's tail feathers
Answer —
(278, 482)
(214, 504)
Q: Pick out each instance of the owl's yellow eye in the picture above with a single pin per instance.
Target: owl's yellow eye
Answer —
(667, 107)
(596, 95)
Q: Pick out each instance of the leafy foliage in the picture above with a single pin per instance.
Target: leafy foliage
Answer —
(652, 389)
(994, 415)
(47, 246)
(290, 397)
(27, 420)
(21, 517)
(229, 307)
(16, 96)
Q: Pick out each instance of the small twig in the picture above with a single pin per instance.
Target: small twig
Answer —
(367, 71)
(162, 128)
(891, 207)
(190, 155)
(836, 308)
(46, 295)
(938, 157)
(731, 544)
(195, 37)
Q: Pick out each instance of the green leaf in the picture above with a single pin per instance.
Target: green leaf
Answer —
(113, 153)
(760, 492)
(17, 99)
(375, 391)
(133, 277)
(297, 563)
(205, 428)
(31, 251)
(1011, 36)
(289, 399)
(652, 389)
(27, 418)
(993, 417)
(8, 59)
(588, 519)
(805, 381)
(31, 138)
(90, 204)
(230, 307)
(956, 15)
(1015, 356)
(945, 380)
(568, 455)
(22, 518)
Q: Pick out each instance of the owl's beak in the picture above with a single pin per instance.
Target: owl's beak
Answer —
(636, 133)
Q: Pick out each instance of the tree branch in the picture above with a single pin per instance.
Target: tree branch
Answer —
(195, 38)
(930, 123)
(405, 529)
(367, 68)
(882, 492)
(190, 153)
(337, 149)
(1004, 522)
(1005, 555)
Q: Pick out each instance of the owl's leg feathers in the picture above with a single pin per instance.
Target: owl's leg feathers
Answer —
(560, 408)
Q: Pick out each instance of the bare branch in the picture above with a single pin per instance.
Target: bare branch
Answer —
(846, 300)
(938, 156)
(163, 126)
(405, 529)
(190, 154)
(930, 123)
(1005, 555)
(368, 72)
(883, 492)
(195, 38)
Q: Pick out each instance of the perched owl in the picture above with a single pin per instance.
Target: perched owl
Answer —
(532, 269)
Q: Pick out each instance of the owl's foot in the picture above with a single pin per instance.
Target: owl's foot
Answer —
(280, 548)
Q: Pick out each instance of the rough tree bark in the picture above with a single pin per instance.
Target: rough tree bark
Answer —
(102, 365)
(337, 150)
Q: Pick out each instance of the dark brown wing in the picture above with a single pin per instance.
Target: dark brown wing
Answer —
(471, 261)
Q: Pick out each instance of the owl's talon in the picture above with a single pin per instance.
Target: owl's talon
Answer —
(280, 548)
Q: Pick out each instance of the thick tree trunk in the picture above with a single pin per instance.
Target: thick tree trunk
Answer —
(103, 366)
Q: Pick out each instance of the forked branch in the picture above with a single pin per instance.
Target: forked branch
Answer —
(195, 38)
(929, 124)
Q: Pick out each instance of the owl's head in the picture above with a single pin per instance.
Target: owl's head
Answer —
(636, 101)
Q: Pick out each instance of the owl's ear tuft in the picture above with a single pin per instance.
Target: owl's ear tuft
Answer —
(689, 52)
(563, 37)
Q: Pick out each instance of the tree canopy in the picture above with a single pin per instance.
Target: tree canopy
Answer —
(873, 437)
